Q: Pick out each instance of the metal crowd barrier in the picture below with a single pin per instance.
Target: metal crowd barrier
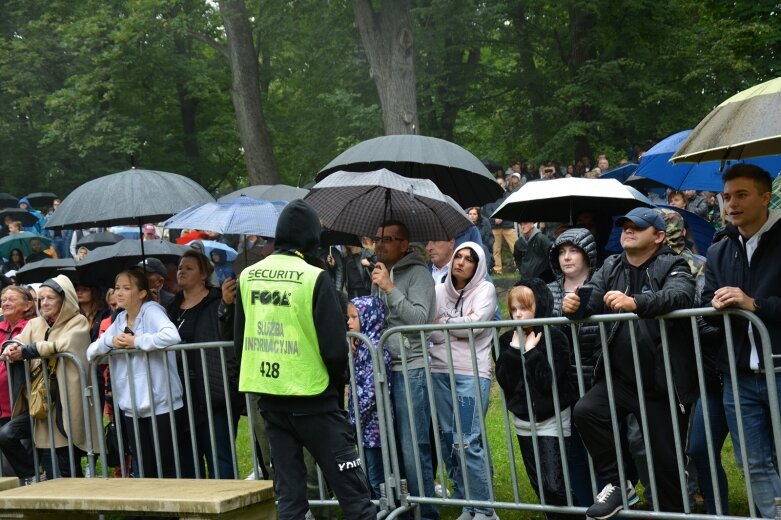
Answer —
(396, 497)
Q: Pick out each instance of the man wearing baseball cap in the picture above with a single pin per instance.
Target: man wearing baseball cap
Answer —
(156, 273)
(650, 280)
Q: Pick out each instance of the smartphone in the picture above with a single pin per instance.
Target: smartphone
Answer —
(128, 331)
(584, 293)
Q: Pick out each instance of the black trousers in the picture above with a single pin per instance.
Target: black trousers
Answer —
(551, 468)
(145, 443)
(592, 418)
(20, 457)
(331, 441)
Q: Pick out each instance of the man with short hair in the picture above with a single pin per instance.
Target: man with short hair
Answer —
(531, 253)
(439, 254)
(402, 280)
(742, 272)
(696, 203)
(603, 163)
(156, 274)
(37, 252)
(649, 279)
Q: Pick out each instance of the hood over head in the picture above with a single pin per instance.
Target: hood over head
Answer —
(298, 229)
(221, 255)
(371, 312)
(580, 238)
(674, 236)
(62, 285)
(481, 269)
(24, 200)
(543, 299)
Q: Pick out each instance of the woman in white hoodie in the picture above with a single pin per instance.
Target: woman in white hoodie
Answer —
(465, 297)
(143, 325)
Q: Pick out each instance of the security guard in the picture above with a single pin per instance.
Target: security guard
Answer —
(290, 335)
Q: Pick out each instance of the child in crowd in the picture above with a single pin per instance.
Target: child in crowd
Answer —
(524, 362)
(366, 314)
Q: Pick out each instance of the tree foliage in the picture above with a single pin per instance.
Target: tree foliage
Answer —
(89, 87)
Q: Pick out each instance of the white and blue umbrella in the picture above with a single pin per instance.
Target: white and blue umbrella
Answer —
(239, 216)
(211, 245)
(656, 165)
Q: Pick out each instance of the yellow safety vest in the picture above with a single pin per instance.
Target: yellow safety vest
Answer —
(280, 351)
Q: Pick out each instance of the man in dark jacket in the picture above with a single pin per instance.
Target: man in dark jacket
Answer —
(291, 334)
(650, 280)
(742, 272)
(531, 253)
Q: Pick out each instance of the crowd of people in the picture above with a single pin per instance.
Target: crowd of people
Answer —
(554, 379)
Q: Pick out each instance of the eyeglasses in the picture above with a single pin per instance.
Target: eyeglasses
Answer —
(386, 240)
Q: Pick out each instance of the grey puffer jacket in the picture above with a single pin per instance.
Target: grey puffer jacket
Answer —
(588, 333)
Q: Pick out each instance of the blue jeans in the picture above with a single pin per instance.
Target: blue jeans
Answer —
(414, 445)
(698, 449)
(475, 453)
(754, 406)
(374, 469)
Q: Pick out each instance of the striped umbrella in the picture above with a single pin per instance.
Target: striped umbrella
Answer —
(358, 203)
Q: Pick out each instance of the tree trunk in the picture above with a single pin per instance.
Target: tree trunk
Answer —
(582, 19)
(387, 40)
(245, 93)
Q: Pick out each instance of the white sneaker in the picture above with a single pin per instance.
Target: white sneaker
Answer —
(466, 515)
(483, 516)
(251, 476)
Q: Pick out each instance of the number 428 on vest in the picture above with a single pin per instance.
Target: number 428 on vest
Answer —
(269, 369)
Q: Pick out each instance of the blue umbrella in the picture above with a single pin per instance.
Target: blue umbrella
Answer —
(701, 231)
(239, 216)
(211, 245)
(621, 174)
(656, 165)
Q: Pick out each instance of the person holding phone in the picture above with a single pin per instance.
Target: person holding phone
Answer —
(650, 280)
(573, 259)
(143, 325)
(195, 312)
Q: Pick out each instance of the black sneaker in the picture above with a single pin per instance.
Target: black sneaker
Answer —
(609, 501)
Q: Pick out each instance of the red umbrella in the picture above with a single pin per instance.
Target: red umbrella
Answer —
(192, 235)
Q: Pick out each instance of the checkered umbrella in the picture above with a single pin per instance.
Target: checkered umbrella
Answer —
(358, 203)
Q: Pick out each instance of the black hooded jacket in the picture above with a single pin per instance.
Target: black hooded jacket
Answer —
(662, 285)
(298, 233)
(588, 332)
(512, 364)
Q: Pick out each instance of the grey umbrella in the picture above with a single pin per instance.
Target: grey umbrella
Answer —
(454, 170)
(267, 192)
(746, 125)
(40, 199)
(129, 197)
(358, 204)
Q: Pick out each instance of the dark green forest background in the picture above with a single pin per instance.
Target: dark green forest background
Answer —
(87, 84)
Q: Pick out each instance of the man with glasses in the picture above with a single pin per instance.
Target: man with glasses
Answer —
(402, 280)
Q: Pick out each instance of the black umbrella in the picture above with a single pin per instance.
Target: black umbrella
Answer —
(129, 197)
(454, 170)
(95, 240)
(42, 270)
(104, 263)
(8, 201)
(41, 199)
(22, 215)
(329, 237)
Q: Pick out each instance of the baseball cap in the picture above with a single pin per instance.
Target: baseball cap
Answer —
(149, 228)
(643, 218)
(153, 265)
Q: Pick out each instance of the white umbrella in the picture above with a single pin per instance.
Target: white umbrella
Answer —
(559, 200)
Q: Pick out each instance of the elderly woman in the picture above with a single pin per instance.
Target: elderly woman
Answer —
(59, 329)
(465, 297)
(18, 308)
